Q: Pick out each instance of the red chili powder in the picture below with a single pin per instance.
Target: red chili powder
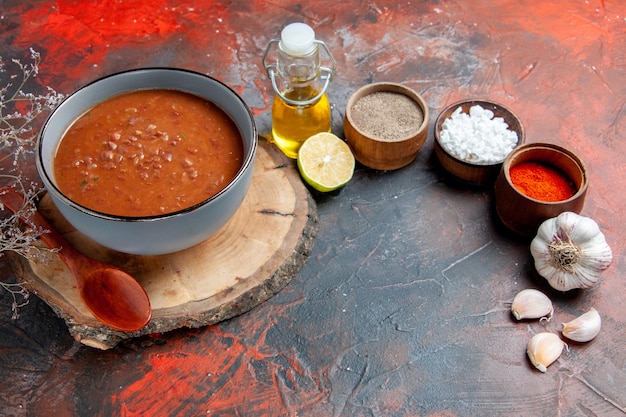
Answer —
(541, 182)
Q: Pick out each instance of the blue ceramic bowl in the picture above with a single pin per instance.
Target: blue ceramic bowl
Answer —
(161, 234)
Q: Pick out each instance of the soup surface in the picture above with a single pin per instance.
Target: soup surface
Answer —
(148, 152)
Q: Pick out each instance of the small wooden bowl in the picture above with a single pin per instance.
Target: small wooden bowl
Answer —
(378, 153)
(473, 173)
(522, 214)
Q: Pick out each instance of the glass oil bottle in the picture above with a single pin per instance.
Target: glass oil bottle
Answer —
(300, 108)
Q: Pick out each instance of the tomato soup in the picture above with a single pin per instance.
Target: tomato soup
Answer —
(147, 153)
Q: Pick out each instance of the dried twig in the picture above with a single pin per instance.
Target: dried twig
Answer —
(20, 115)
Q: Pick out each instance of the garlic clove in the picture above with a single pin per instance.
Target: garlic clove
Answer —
(532, 304)
(583, 328)
(543, 349)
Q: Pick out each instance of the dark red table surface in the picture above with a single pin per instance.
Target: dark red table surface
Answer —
(402, 307)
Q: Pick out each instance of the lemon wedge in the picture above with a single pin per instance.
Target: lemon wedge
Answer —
(326, 162)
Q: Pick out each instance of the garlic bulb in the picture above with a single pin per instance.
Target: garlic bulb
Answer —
(583, 328)
(532, 304)
(543, 349)
(570, 251)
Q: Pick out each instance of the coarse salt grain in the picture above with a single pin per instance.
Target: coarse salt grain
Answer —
(477, 137)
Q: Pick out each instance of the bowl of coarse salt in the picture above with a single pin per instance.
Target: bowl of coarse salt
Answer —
(474, 137)
(385, 125)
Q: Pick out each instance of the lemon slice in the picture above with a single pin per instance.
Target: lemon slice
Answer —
(325, 162)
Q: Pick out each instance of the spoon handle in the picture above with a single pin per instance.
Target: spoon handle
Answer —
(113, 296)
(14, 201)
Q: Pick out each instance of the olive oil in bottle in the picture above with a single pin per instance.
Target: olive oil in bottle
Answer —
(293, 124)
(301, 107)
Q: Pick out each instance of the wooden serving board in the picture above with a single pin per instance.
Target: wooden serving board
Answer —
(251, 258)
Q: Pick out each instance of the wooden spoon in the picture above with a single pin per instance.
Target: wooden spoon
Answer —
(113, 296)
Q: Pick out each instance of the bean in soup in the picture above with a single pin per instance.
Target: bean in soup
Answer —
(147, 153)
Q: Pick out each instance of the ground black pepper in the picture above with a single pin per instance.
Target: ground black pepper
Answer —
(387, 116)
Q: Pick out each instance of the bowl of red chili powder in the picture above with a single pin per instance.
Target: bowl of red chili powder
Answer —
(539, 181)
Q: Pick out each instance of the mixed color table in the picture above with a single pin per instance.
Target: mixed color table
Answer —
(402, 308)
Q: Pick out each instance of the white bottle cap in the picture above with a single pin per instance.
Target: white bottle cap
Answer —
(297, 39)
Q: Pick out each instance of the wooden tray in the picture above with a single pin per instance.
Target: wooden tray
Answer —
(251, 258)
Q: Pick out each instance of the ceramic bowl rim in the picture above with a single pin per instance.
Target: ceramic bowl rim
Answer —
(52, 187)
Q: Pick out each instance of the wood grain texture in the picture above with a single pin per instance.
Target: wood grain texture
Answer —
(250, 259)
